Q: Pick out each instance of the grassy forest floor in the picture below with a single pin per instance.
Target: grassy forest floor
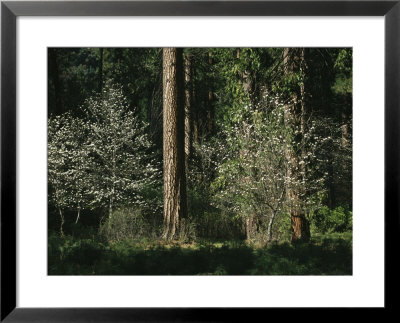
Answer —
(329, 254)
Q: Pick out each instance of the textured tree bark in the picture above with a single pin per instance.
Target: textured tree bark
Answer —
(300, 228)
(173, 142)
(194, 114)
(299, 224)
(188, 110)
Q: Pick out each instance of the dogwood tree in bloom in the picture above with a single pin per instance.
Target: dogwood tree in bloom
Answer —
(102, 161)
(253, 172)
(69, 162)
(123, 165)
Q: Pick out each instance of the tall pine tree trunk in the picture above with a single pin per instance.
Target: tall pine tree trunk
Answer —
(293, 115)
(173, 142)
(195, 114)
(188, 110)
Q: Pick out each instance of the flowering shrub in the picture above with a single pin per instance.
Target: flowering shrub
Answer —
(254, 171)
(103, 161)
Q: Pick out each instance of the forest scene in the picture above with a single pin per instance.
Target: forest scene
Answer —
(200, 161)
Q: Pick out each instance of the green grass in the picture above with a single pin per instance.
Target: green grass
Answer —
(329, 254)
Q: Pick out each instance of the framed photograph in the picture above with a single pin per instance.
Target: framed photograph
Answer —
(182, 160)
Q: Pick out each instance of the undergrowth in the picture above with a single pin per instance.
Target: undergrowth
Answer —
(329, 254)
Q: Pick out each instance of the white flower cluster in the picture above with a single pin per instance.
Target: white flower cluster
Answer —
(103, 160)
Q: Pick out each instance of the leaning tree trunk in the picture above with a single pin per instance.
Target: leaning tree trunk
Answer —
(293, 113)
(173, 142)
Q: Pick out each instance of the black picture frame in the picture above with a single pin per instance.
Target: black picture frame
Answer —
(10, 10)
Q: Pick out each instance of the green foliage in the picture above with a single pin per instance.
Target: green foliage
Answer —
(130, 223)
(326, 255)
(344, 65)
(240, 78)
(78, 73)
(139, 70)
(74, 256)
(343, 85)
(326, 220)
(344, 61)
(282, 227)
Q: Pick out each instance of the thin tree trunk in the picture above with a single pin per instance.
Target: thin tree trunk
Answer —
(110, 208)
(173, 142)
(112, 195)
(62, 221)
(78, 215)
(270, 224)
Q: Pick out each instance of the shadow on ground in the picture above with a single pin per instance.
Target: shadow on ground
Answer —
(330, 255)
